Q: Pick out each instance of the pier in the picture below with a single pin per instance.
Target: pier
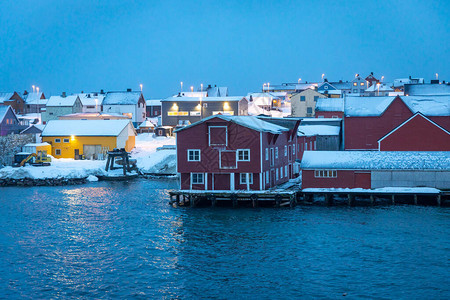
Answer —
(328, 197)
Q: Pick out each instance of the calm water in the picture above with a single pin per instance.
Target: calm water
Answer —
(110, 240)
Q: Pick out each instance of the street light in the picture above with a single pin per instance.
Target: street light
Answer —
(264, 85)
(378, 84)
(37, 89)
(437, 76)
(140, 86)
(201, 87)
(192, 88)
(382, 77)
(323, 76)
(299, 80)
(268, 87)
(181, 83)
(34, 88)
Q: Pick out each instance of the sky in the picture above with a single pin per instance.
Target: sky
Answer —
(113, 45)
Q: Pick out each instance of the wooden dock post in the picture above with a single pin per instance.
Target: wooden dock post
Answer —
(415, 199)
(350, 199)
(213, 200)
(234, 199)
(191, 201)
(393, 199)
(438, 200)
(254, 199)
(278, 200)
(292, 201)
(372, 199)
(178, 199)
(329, 199)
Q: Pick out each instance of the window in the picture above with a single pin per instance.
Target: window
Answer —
(57, 151)
(362, 83)
(267, 176)
(315, 145)
(325, 173)
(276, 173)
(57, 140)
(281, 172)
(243, 178)
(306, 146)
(285, 150)
(66, 140)
(197, 178)
(315, 98)
(325, 87)
(194, 155)
(276, 153)
(355, 90)
(362, 91)
(355, 84)
(293, 149)
(267, 153)
(243, 155)
(302, 98)
(272, 157)
(309, 110)
(286, 171)
(310, 145)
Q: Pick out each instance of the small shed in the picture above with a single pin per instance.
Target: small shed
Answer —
(164, 131)
(37, 147)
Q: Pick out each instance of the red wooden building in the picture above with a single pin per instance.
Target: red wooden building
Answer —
(418, 133)
(329, 108)
(368, 119)
(235, 153)
(375, 169)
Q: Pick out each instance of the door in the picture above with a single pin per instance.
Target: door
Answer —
(362, 180)
(77, 154)
(222, 182)
(92, 151)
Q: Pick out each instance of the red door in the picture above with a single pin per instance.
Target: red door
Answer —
(222, 182)
(362, 180)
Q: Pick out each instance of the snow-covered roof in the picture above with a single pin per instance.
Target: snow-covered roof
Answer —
(246, 121)
(146, 123)
(428, 105)
(37, 144)
(89, 98)
(304, 86)
(121, 98)
(427, 89)
(330, 104)
(216, 91)
(366, 106)
(5, 97)
(153, 102)
(191, 94)
(263, 99)
(204, 99)
(3, 110)
(402, 81)
(84, 127)
(313, 130)
(34, 98)
(376, 160)
(342, 85)
(62, 101)
(383, 87)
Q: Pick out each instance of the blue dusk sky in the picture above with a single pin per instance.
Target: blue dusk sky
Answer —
(113, 45)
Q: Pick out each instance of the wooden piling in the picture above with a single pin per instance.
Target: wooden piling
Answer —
(372, 199)
(350, 199)
(438, 200)
(415, 199)
(393, 199)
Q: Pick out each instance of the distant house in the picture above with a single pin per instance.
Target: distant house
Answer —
(153, 107)
(379, 89)
(326, 87)
(303, 104)
(215, 91)
(13, 99)
(34, 102)
(234, 153)
(358, 86)
(326, 137)
(371, 80)
(399, 84)
(418, 133)
(375, 169)
(35, 131)
(90, 139)
(91, 102)
(9, 123)
(330, 108)
(266, 101)
(187, 110)
(94, 116)
(368, 119)
(60, 106)
(126, 103)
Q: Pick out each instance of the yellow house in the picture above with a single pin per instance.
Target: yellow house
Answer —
(90, 139)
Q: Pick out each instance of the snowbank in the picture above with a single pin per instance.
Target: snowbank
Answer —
(149, 160)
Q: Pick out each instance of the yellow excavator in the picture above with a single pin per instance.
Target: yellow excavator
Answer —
(40, 159)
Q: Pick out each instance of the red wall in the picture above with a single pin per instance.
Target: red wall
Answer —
(344, 179)
(418, 134)
(364, 132)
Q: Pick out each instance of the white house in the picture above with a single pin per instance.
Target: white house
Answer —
(127, 103)
(92, 102)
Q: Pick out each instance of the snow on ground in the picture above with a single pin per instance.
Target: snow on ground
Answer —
(149, 160)
(59, 168)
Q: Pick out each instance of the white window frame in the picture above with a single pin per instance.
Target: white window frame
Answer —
(243, 176)
(194, 150)
(198, 176)
(209, 135)
(57, 140)
(325, 173)
(243, 150)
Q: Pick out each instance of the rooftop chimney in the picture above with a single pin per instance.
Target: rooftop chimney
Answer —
(409, 76)
(371, 73)
(63, 94)
(102, 92)
(128, 90)
(25, 93)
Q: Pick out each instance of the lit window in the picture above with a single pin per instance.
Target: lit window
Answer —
(355, 84)
(243, 155)
(197, 178)
(243, 178)
(194, 155)
(325, 173)
(362, 83)
(66, 140)
(57, 140)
